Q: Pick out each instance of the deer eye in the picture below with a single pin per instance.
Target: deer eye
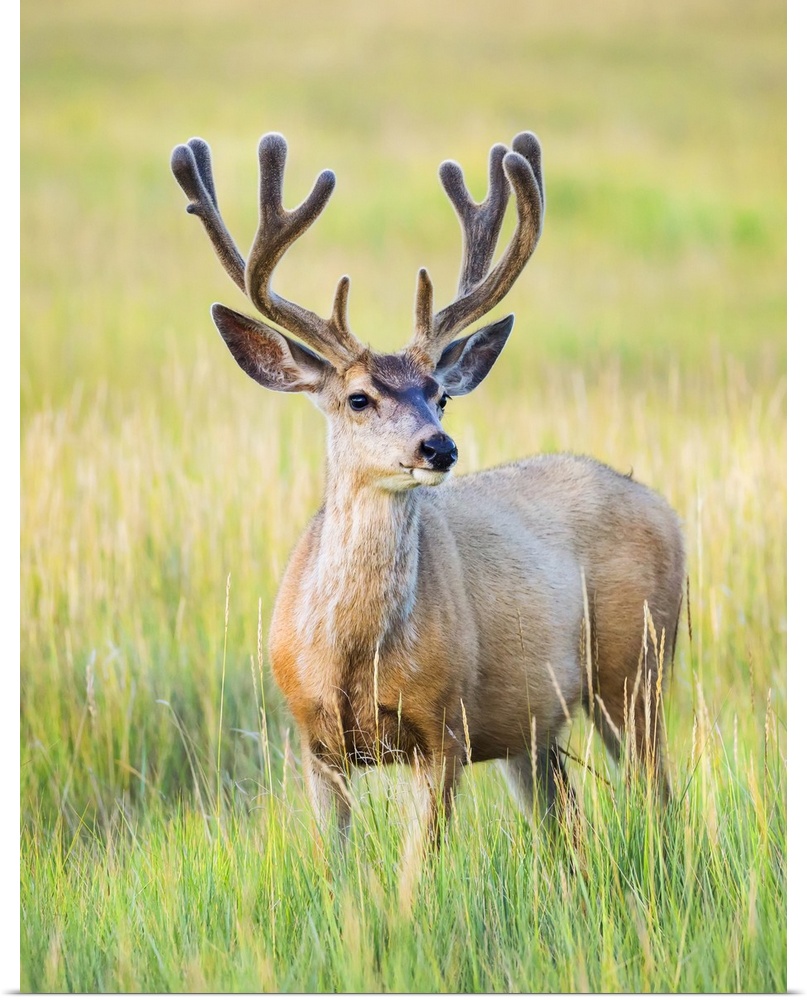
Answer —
(441, 402)
(358, 401)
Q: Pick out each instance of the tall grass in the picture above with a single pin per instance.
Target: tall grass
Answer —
(166, 842)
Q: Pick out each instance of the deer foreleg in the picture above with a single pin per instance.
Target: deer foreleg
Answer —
(330, 797)
(437, 782)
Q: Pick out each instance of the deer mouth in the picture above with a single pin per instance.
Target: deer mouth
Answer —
(427, 477)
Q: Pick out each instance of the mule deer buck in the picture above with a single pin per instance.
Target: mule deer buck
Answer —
(435, 620)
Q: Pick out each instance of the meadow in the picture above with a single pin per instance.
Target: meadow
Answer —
(166, 844)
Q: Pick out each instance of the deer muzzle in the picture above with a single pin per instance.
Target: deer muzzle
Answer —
(438, 452)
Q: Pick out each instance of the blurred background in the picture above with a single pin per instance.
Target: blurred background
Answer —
(164, 840)
(650, 327)
(663, 129)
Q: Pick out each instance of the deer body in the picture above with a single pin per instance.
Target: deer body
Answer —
(441, 626)
(473, 598)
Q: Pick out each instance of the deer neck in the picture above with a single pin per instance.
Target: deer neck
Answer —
(366, 572)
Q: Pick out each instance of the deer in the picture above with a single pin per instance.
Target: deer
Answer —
(437, 620)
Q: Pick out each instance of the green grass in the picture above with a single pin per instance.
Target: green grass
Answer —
(172, 900)
(166, 842)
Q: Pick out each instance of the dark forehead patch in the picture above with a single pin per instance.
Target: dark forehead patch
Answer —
(396, 373)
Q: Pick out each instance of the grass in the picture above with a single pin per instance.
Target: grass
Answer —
(174, 902)
(166, 842)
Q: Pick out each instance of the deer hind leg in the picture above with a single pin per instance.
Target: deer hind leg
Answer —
(545, 775)
(630, 722)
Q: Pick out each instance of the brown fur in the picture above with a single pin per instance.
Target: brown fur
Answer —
(472, 595)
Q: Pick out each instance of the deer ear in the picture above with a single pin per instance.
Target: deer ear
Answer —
(274, 360)
(465, 362)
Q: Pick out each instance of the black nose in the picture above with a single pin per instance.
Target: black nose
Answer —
(439, 451)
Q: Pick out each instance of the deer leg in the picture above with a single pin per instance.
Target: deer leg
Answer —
(543, 774)
(639, 739)
(329, 794)
(438, 781)
(650, 745)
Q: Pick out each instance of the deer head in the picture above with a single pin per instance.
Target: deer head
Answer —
(384, 411)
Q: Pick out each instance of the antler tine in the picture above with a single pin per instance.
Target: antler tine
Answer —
(480, 289)
(277, 230)
(527, 144)
(481, 223)
(201, 152)
(191, 166)
(424, 304)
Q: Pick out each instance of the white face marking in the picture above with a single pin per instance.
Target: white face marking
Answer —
(408, 479)
(430, 477)
(397, 482)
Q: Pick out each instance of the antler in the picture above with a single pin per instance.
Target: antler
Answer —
(277, 230)
(480, 289)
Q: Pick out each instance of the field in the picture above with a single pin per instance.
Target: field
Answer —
(166, 844)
